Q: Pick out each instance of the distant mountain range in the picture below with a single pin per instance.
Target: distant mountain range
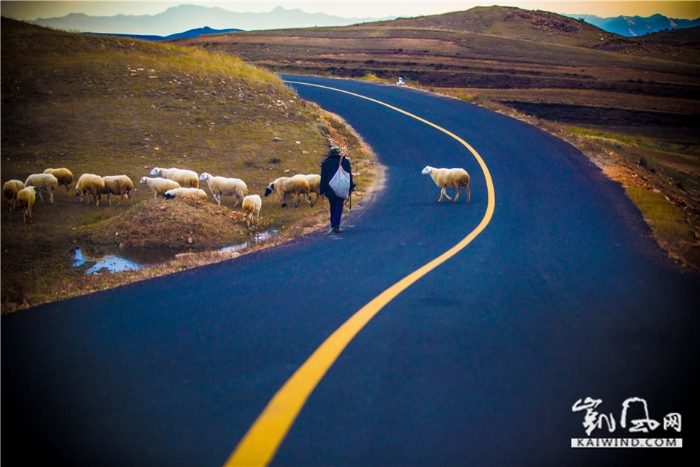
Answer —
(631, 26)
(192, 18)
(192, 33)
(188, 17)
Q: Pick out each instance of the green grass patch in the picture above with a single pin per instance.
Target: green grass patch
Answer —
(644, 143)
(665, 219)
(371, 77)
(601, 135)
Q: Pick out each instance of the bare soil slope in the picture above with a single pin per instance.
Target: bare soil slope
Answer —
(162, 224)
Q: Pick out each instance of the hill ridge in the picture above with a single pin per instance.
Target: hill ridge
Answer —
(193, 17)
(510, 22)
(637, 26)
(189, 34)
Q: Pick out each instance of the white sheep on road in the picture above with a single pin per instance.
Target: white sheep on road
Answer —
(449, 178)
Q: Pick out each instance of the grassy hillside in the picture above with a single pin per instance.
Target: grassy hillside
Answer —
(631, 104)
(682, 45)
(451, 51)
(114, 106)
(512, 23)
(687, 37)
(108, 104)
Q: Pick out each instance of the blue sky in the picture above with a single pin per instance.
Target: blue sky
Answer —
(31, 10)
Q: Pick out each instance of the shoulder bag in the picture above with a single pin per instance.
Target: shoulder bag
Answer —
(340, 183)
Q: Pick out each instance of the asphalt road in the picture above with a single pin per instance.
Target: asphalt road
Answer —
(562, 296)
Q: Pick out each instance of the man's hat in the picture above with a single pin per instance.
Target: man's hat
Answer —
(335, 150)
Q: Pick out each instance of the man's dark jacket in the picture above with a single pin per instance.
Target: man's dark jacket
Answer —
(328, 169)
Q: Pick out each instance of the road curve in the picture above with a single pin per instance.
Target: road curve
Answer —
(562, 296)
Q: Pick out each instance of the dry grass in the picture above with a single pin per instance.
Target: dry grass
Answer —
(579, 97)
(634, 110)
(114, 106)
(510, 49)
(106, 105)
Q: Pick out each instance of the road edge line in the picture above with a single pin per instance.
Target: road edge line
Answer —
(262, 440)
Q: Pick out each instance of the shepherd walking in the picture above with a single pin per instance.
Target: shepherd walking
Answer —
(336, 184)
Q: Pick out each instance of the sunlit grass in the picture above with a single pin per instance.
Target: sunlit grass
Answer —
(645, 143)
(109, 106)
(665, 219)
(371, 78)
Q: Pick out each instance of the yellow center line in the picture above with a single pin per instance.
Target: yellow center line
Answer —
(261, 442)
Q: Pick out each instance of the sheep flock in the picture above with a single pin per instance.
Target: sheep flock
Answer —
(182, 184)
(166, 183)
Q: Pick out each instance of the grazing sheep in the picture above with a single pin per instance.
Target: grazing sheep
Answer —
(225, 186)
(186, 193)
(186, 178)
(314, 185)
(63, 175)
(43, 182)
(25, 201)
(290, 185)
(90, 184)
(118, 185)
(159, 185)
(449, 178)
(11, 188)
(251, 205)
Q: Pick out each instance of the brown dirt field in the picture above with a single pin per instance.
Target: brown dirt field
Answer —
(591, 98)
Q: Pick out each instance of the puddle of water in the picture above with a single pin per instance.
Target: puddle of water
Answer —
(111, 263)
(151, 256)
(114, 264)
(232, 248)
(257, 238)
(133, 259)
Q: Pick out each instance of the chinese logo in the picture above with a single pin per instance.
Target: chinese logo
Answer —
(595, 420)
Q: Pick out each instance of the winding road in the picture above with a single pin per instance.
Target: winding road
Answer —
(425, 334)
